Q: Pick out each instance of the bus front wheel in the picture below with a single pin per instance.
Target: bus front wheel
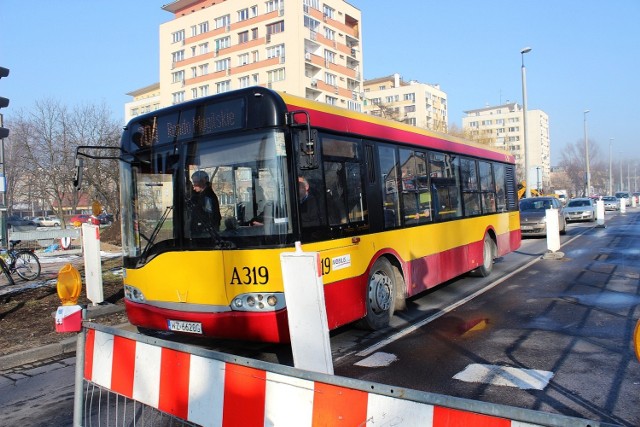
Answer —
(381, 295)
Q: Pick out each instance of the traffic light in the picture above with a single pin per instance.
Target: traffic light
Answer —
(4, 103)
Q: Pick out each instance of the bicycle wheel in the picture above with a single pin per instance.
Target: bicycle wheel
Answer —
(27, 265)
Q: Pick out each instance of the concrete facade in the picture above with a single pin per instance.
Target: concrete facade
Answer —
(304, 47)
(414, 103)
(502, 127)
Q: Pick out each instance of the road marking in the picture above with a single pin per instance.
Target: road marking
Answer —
(398, 335)
(378, 360)
(524, 379)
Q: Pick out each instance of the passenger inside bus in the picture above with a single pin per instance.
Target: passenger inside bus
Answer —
(309, 208)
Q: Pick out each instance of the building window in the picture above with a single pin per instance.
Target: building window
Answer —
(329, 33)
(410, 121)
(311, 23)
(410, 97)
(255, 78)
(194, 93)
(328, 11)
(177, 56)
(331, 79)
(410, 109)
(243, 14)
(178, 76)
(254, 33)
(243, 37)
(273, 5)
(275, 75)
(223, 21)
(204, 48)
(329, 56)
(194, 72)
(243, 59)
(204, 90)
(223, 64)
(178, 36)
(275, 51)
(256, 55)
(204, 69)
(331, 100)
(177, 97)
(312, 3)
(204, 27)
(224, 86)
(276, 27)
(223, 43)
(244, 82)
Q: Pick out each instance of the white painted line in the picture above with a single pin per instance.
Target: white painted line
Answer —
(416, 326)
(378, 360)
(524, 379)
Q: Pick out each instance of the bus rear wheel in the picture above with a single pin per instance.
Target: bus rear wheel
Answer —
(381, 295)
(488, 254)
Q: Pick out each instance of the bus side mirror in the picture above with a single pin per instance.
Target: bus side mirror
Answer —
(308, 153)
(77, 179)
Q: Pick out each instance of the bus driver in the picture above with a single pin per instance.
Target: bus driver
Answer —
(205, 214)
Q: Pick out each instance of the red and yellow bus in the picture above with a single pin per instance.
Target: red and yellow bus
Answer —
(397, 210)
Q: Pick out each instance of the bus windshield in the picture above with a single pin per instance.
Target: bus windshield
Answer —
(248, 175)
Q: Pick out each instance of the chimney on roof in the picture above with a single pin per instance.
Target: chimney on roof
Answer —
(396, 80)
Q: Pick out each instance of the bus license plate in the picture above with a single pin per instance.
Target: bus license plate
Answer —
(190, 327)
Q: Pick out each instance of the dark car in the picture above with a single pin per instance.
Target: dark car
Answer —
(105, 218)
(20, 224)
(533, 215)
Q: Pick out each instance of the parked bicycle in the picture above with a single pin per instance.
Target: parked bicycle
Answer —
(22, 261)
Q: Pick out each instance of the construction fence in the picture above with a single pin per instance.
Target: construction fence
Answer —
(125, 378)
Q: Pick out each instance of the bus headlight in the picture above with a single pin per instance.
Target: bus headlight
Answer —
(258, 302)
(133, 294)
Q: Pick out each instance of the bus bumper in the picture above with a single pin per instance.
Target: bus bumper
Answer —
(239, 325)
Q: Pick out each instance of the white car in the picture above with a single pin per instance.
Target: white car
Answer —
(47, 221)
(580, 209)
(611, 203)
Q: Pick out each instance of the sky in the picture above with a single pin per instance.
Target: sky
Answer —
(585, 56)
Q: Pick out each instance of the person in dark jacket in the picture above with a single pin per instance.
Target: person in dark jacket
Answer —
(309, 209)
(205, 214)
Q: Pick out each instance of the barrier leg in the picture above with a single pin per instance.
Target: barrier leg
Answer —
(78, 398)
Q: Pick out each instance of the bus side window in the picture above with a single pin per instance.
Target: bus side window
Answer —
(389, 169)
(335, 178)
(445, 181)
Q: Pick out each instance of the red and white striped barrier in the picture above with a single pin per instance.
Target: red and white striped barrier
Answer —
(216, 393)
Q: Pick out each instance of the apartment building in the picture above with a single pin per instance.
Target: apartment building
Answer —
(414, 103)
(502, 127)
(307, 48)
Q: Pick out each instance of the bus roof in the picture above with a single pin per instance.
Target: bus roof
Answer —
(343, 120)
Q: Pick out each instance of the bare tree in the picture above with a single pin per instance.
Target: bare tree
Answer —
(573, 161)
(42, 149)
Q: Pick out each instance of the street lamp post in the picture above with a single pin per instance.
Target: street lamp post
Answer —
(621, 182)
(610, 176)
(524, 123)
(586, 153)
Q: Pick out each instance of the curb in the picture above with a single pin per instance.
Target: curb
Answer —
(55, 350)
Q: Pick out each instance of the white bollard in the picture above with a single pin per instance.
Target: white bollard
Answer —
(553, 230)
(623, 205)
(92, 262)
(600, 213)
(306, 311)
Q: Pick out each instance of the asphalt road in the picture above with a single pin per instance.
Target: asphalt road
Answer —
(556, 336)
